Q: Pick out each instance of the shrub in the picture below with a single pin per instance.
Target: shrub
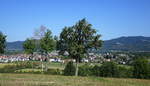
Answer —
(18, 66)
(33, 71)
(53, 72)
(124, 72)
(109, 69)
(69, 69)
(96, 70)
(141, 68)
(8, 69)
(27, 64)
(85, 70)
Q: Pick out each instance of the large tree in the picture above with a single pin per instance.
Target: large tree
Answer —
(78, 39)
(47, 44)
(2, 43)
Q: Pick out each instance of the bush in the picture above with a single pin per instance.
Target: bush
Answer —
(27, 64)
(53, 72)
(125, 72)
(141, 68)
(85, 70)
(96, 70)
(18, 66)
(8, 69)
(32, 71)
(109, 69)
(69, 69)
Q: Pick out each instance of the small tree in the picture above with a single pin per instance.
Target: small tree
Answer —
(141, 68)
(38, 35)
(69, 69)
(78, 39)
(29, 47)
(2, 43)
(47, 44)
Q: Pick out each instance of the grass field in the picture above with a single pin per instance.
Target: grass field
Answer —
(4, 64)
(56, 65)
(52, 80)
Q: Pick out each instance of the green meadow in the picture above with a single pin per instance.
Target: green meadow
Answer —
(58, 80)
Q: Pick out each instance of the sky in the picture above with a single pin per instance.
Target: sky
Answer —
(111, 18)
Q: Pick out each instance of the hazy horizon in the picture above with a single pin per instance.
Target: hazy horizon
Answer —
(112, 18)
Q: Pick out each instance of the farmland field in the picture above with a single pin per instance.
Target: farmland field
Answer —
(55, 80)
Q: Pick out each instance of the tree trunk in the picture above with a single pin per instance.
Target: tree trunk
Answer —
(42, 64)
(32, 62)
(46, 64)
(77, 68)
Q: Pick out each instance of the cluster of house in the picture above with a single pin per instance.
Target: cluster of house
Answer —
(106, 57)
(13, 58)
(92, 57)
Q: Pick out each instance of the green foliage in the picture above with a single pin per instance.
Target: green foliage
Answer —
(125, 72)
(141, 68)
(96, 70)
(27, 64)
(2, 43)
(33, 71)
(78, 39)
(29, 46)
(8, 69)
(109, 69)
(18, 66)
(85, 70)
(53, 71)
(47, 43)
(69, 69)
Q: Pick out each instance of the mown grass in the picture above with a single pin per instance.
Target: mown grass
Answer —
(57, 80)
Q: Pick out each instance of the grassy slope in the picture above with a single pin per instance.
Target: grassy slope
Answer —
(51, 80)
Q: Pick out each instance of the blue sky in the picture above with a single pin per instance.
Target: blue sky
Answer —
(112, 18)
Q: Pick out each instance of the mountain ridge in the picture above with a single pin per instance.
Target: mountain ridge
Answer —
(127, 43)
(124, 43)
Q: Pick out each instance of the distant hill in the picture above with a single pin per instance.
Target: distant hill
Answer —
(130, 43)
(17, 45)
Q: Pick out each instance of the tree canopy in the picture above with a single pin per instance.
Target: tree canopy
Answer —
(47, 43)
(29, 46)
(2, 43)
(78, 39)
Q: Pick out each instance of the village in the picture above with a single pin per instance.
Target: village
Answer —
(55, 57)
